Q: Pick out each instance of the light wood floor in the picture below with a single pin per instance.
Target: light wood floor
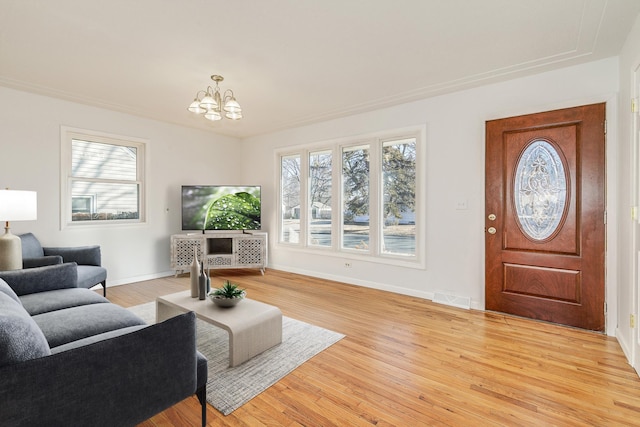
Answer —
(409, 362)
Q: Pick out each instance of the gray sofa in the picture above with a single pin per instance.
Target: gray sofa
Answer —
(68, 357)
(88, 258)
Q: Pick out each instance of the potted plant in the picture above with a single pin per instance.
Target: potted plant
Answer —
(228, 295)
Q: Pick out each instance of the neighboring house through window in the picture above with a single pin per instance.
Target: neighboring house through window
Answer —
(103, 178)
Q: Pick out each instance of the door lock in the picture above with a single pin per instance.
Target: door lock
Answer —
(492, 217)
(491, 230)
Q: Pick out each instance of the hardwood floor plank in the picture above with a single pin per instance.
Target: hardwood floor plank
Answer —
(406, 361)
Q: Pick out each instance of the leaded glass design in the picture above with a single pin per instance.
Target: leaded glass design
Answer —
(540, 190)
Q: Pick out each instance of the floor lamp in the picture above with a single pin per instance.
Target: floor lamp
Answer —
(15, 206)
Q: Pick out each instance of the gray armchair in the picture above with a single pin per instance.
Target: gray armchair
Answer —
(88, 258)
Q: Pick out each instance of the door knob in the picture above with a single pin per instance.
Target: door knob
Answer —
(492, 217)
(491, 230)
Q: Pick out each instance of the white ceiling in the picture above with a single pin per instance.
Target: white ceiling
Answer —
(292, 62)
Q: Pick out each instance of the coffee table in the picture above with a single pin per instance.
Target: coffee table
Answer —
(253, 326)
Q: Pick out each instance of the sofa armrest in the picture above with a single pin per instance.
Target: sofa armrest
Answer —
(119, 381)
(41, 261)
(81, 255)
(41, 279)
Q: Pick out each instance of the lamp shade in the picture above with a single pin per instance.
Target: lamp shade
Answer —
(208, 102)
(212, 115)
(18, 205)
(194, 107)
(232, 106)
(234, 116)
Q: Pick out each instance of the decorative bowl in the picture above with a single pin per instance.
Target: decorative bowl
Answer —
(221, 301)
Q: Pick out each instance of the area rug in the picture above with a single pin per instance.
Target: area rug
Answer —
(229, 388)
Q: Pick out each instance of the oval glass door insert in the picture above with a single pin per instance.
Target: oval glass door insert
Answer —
(540, 190)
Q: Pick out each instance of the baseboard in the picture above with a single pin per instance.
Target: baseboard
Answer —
(129, 280)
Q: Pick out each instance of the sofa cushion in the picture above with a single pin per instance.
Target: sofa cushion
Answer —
(75, 323)
(20, 337)
(6, 289)
(43, 302)
(95, 338)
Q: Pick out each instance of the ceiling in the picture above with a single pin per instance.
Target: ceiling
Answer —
(292, 62)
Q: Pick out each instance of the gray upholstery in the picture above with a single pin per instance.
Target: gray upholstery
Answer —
(70, 324)
(20, 337)
(70, 357)
(88, 258)
(59, 299)
(6, 289)
(41, 279)
(95, 338)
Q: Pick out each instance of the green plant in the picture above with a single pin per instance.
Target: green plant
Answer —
(228, 290)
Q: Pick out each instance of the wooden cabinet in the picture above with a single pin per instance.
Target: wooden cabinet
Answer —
(220, 250)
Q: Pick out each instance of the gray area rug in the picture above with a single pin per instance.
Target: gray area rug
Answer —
(229, 388)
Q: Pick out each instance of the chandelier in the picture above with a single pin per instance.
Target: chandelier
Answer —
(213, 105)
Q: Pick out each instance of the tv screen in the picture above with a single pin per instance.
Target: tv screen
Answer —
(221, 207)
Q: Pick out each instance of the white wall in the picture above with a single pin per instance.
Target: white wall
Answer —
(30, 150)
(629, 230)
(455, 151)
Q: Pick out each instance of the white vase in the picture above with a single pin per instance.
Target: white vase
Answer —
(195, 271)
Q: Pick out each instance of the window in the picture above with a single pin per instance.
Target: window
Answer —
(320, 195)
(102, 178)
(290, 198)
(357, 197)
(399, 197)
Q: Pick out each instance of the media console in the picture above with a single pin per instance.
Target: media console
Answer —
(220, 250)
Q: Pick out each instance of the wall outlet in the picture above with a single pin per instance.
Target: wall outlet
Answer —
(347, 265)
(462, 204)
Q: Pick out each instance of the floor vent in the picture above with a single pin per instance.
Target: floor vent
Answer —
(460, 302)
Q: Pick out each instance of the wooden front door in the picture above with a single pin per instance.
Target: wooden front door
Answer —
(545, 216)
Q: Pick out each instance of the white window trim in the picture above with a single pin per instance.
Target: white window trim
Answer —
(67, 134)
(419, 260)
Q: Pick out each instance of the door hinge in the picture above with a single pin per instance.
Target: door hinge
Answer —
(605, 217)
(634, 213)
(632, 320)
(634, 105)
(605, 127)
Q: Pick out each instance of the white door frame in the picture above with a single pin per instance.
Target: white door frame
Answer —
(635, 188)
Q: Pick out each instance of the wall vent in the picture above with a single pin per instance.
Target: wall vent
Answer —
(452, 300)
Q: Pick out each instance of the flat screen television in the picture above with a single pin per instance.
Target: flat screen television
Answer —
(221, 207)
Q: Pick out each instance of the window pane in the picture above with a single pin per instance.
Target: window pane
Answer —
(103, 161)
(290, 191)
(320, 198)
(399, 197)
(355, 196)
(540, 190)
(99, 201)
